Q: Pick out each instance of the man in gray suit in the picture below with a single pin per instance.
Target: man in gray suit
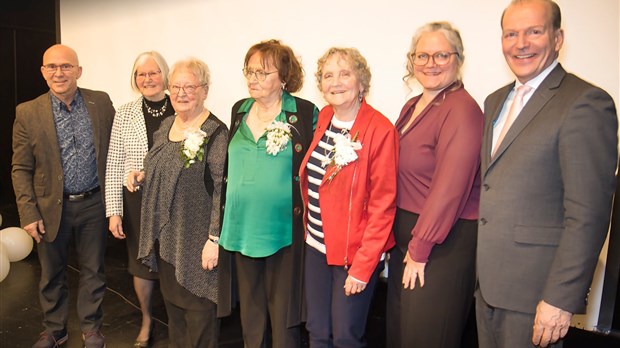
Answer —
(60, 144)
(548, 177)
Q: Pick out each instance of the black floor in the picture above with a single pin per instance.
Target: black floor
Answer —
(20, 315)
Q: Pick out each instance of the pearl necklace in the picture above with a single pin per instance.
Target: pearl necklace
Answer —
(153, 112)
(191, 124)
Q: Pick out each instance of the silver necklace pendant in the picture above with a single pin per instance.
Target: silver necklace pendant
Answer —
(153, 112)
(343, 131)
(326, 152)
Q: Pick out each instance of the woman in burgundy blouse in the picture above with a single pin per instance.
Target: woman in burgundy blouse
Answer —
(432, 268)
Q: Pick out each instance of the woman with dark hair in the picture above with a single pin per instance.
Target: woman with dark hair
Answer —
(262, 231)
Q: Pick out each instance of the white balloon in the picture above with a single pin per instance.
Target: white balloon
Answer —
(17, 243)
(5, 265)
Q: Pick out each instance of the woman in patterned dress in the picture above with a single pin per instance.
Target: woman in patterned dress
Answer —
(182, 180)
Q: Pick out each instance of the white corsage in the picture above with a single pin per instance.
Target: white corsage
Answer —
(193, 149)
(278, 136)
(343, 153)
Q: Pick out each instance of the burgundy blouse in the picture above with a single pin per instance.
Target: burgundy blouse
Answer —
(439, 166)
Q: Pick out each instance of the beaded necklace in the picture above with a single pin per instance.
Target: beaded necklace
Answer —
(155, 112)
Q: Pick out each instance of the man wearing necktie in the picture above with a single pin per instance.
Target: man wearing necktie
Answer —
(548, 165)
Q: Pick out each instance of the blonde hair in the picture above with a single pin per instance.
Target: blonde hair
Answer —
(450, 33)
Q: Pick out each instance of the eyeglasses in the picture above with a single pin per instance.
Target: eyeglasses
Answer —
(440, 58)
(51, 68)
(259, 74)
(189, 89)
(149, 74)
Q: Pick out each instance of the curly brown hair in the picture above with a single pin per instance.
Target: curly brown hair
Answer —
(282, 57)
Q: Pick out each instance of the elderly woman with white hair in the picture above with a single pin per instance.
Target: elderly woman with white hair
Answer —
(182, 181)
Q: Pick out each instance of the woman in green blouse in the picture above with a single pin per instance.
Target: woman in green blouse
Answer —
(262, 231)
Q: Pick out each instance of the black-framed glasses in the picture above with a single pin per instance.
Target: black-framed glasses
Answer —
(148, 74)
(260, 75)
(189, 89)
(52, 68)
(440, 58)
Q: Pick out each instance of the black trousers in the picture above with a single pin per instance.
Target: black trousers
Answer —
(263, 300)
(85, 223)
(435, 315)
(192, 320)
(189, 328)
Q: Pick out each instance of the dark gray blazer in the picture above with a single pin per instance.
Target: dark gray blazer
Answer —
(37, 169)
(546, 195)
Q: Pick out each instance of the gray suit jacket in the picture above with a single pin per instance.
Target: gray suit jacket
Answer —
(37, 170)
(546, 195)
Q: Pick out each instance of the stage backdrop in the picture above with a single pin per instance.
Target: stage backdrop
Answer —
(109, 34)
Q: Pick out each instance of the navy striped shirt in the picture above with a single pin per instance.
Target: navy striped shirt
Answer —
(316, 171)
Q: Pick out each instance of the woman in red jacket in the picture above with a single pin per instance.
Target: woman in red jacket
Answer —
(348, 182)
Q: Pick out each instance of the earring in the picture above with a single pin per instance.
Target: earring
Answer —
(283, 84)
(360, 96)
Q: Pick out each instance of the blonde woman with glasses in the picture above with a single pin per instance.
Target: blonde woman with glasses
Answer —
(432, 268)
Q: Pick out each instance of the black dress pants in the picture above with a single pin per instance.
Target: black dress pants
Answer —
(434, 315)
(264, 295)
(84, 222)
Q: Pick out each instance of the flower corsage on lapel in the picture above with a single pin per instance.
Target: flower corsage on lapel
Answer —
(193, 149)
(342, 154)
(278, 137)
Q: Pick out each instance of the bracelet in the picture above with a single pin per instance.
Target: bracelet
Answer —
(214, 240)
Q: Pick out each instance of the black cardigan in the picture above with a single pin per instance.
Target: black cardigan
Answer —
(302, 120)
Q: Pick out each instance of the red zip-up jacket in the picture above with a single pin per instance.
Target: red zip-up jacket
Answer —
(359, 203)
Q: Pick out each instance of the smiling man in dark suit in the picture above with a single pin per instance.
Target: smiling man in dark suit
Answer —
(548, 165)
(60, 145)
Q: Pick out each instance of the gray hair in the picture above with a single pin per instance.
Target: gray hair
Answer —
(141, 59)
(357, 61)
